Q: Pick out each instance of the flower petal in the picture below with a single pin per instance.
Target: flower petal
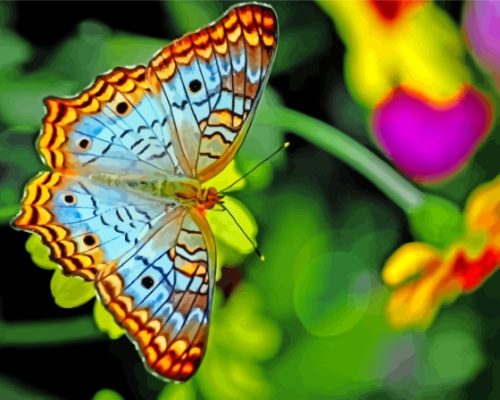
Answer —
(382, 54)
(483, 209)
(430, 140)
(409, 261)
(472, 272)
(482, 29)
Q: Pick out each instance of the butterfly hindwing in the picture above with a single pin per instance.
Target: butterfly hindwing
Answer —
(86, 225)
(161, 294)
(211, 81)
(116, 125)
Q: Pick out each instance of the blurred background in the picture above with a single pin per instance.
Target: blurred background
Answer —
(321, 317)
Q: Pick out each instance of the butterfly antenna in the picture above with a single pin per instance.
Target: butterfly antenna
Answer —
(285, 145)
(257, 251)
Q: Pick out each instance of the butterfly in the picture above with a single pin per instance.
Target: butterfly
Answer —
(124, 204)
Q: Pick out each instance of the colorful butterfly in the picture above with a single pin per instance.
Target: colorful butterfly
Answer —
(124, 205)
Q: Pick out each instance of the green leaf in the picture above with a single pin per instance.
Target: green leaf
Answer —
(13, 48)
(105, 321)
(13, 388)
(241, 336)
(332, 292)
(21, 96)
(70, 292)
(127, 49)
(436, 221)
(185, 391)
(299, 217)
(40, 254)
(7, 212)
(6, 13)
(96, 49)
(19, 162)
(107, 394)
(232, 245)
(453, 355)
(243, 332)
(344, 366)
(260, 142)
(187, 16)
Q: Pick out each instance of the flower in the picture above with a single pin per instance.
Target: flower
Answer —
(424, 277)
(232, 247)
(415, 44)
(481, 22)
(426, 139)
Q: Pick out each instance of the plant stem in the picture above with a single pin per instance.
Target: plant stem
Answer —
(340, 145)
(49, 333)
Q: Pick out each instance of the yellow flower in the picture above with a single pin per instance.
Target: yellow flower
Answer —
(424, 278)
(411, 43)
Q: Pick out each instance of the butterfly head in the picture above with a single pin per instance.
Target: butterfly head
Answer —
(208, 198)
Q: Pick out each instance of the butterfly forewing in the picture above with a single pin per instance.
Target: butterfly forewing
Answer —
(85, 224)
(117, 126)
(211, 81)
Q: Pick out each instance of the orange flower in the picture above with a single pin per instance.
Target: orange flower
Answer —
(424, 278)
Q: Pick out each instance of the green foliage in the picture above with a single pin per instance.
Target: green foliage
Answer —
(107, 394)
(19, 162)
(105, 321)
(258, 147)
(188, 16)
(21, 95)
(332, 292)
(40, 253)
(185, 391)
(233, 338)
(436, 221)
(70, 292)
(13, 48)
(103, 50)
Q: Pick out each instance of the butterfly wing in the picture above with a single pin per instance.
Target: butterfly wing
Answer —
(186, 113)
(153, 263)
(161, 293)
(116, 125)
(211, 81)
(87, 225)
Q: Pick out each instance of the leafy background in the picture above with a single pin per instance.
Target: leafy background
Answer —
(308, 322)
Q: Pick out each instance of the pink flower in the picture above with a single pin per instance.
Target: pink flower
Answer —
(482, 31)
(429, 140)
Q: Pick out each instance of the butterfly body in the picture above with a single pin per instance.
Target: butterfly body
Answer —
(124, 202)
(187, 192)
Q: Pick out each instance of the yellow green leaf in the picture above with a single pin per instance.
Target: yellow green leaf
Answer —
(185, 391)
(39, 252)
(105, 321)
(107, 394)
(70, 292)
(232, 245)
(228, 176)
